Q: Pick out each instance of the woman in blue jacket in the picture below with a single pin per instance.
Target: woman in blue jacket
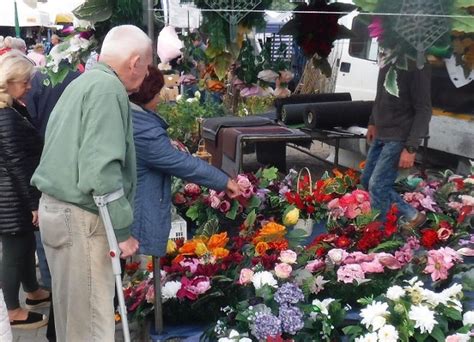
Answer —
(157, 161)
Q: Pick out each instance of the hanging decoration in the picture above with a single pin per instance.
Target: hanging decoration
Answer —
(226, 23)
(315, 33)
(438, 29)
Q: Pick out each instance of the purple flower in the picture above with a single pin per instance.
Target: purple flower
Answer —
(291, 318)
(289, 293)
(265, 325)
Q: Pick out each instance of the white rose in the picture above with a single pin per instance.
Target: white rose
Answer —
(263, 278)
(337, 255)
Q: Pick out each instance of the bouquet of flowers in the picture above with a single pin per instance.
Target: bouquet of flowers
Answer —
(411, 312)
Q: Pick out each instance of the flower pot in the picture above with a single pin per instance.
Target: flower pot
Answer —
(306, 225)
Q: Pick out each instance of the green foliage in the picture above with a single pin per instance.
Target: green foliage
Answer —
(182, 118)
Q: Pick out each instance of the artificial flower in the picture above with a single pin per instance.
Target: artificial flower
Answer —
(272, 231)
(374, 315)
(370, 337)
(395, 292)
(291, 217)
(388, 333)
(170, 289)
(188, 248)
(423, 317)
(429, 238)
(218, 240)
(246, 276)
(337, 255)
(171, 247)
(288, 256)
(283, 270)
(261, 248)
(263, 278)
(348, 273)
(322, 307)
(468, 318)
(220, 252)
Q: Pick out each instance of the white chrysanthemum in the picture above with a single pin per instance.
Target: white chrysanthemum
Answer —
(170, 289)
(469, 181)
(433, 298)
(388, 333)
(454, 291)
(260, 279)
(468, 318)
(395, 292)
(322, 306)
(423, 318)
(374, 315)
(371, 337)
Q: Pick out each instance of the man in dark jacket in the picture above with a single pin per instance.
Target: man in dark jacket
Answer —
(396, 127)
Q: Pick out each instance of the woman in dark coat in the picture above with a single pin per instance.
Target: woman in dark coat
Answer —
(20, 150)
(157, 161)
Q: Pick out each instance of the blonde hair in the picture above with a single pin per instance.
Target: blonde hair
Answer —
(14, 67)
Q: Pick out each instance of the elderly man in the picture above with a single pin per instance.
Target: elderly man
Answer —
(89, 151)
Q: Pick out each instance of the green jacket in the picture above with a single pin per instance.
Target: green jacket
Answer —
(89, 148)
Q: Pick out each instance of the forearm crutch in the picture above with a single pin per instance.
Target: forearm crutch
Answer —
(114, 253)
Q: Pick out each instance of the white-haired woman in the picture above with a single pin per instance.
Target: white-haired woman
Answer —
(20, 149)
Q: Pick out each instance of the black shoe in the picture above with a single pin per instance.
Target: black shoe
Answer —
(33, 321)
(32, 304)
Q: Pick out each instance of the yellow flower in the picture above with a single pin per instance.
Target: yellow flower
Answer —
(220, 252)
(171, 247)
(291, 217)
(201, 249)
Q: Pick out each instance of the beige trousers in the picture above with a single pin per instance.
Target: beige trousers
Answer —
(76, 248)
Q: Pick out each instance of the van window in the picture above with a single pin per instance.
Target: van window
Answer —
(362, 46)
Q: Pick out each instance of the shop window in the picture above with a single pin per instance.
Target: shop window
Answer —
(362, 45)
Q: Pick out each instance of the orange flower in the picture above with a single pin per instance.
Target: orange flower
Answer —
(362, 165)
(261, 248)
(218, 240)
(177, 259)
(201, 249)
(279, 245)
(149, 266)
(220, 252)
(188, 248)
(270, 232)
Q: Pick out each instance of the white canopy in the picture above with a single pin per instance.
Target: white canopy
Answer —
(33, 13)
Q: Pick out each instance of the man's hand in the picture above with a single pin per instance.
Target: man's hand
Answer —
(128, 247)
(35, 220)
(407, 159)
(371, 132)
(233, 189)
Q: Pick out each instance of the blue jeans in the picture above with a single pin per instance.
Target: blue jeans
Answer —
(380, 173)
(42, 262)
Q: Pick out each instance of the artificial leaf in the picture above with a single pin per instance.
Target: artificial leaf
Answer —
(250, 219)
(253, 203)
(438, 334)
(352, 330)
(232, 213)
(94, 10)
(386, 246)
(193, 212)
(390, 83)
(222, 64)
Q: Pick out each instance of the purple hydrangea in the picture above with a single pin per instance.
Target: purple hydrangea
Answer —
(266, 324)
(289, 293)
(291, 318)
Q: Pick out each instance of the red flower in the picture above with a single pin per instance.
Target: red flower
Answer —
(320, 252)
(466, 210)
(132, 267)
(459, 183)
(343, 242)
(279, 245)
(179, 198)
(429, 238)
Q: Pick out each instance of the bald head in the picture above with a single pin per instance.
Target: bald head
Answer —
(127, 49)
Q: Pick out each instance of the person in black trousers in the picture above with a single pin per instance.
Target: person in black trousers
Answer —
(20, 150)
